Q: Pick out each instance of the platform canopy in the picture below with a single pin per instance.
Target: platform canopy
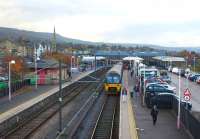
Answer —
(141, 65)
(169, 59)
(92, 58)
(131, 58)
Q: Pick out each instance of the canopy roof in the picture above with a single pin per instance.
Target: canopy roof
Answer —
(131, 58)
(142, 65)
(92, 58)
(169, 59)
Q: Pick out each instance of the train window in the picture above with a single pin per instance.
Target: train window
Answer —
(113, 79)
(109, 79)
(116, 79)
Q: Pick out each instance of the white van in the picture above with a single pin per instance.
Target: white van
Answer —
(175, 70)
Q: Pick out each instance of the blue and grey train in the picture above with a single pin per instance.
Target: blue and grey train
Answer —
(113, 80)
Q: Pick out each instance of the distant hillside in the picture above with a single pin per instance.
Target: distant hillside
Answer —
(176, 49)
(16, 34)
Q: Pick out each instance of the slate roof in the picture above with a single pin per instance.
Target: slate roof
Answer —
(169, 58)
(127, 53)
(50, 64)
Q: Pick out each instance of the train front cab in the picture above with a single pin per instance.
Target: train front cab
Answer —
(112, 85)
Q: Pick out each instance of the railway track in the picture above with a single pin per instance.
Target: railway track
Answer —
(107, 124)
(31, 125)
(24, 131)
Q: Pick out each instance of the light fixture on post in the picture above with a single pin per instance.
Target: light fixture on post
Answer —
(9, 81)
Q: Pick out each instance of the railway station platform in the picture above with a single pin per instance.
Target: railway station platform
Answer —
(136, 121)
(127, 124)
(26, 100)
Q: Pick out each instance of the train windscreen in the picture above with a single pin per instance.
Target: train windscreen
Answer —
(113, 78)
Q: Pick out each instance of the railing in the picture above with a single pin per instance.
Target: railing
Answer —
(190, 122)
(14, 87)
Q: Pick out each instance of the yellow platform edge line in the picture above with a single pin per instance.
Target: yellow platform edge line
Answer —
(132, 122)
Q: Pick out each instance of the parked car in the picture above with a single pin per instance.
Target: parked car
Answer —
(162, 100)
(164, 84)
(187, 73)
(3, 78)
(165, 100)
(175, 70)
(152, 90)
(166, 78)
(193, 77)
(153, 80)
(198, 80)
(182, 72)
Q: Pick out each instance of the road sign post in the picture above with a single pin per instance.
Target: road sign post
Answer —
(187, 97)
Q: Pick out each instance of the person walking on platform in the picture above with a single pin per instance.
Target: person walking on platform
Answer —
(69, 74)
(131, 73)
(124, 94)
(135, 90)
(154, 114)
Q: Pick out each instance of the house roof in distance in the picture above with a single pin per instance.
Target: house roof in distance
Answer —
(45, 63)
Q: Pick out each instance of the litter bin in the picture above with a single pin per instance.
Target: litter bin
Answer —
(132, 94)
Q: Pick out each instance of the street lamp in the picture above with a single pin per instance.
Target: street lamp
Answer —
(9, 81)
(179, 102)
(194, 63)
(60, 96)
(35, 67)
(186, 61)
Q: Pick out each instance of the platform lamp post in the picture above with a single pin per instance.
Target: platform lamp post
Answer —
(36, 83)
(144, 87)
(179, 101)
(60, 97)
(95, 62)
(194, 63)
(186, 61)
(9, 81)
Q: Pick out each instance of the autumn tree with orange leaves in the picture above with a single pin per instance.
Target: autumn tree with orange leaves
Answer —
(18, 69)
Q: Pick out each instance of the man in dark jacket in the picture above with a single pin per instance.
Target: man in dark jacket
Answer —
(154, 114)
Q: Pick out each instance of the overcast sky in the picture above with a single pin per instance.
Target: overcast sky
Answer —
(162, 22)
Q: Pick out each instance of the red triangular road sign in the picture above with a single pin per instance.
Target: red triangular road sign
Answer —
(187, 92)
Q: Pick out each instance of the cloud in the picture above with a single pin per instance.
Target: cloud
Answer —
(145, 21)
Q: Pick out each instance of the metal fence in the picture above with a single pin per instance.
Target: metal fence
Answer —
(188, 119)
(14, 87)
